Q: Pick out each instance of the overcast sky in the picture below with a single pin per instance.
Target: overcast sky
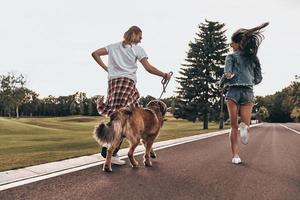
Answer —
(51, 42)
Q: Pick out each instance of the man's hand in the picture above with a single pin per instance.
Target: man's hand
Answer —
(168, 76)
(97, 57)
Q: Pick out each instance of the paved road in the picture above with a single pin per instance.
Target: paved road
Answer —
(196, 170)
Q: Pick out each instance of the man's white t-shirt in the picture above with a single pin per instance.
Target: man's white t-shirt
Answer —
(122, 61)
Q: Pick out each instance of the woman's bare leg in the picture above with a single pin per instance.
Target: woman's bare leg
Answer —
(245, 112)
(233, 114)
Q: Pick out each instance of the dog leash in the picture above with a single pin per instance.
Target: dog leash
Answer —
(165, 83)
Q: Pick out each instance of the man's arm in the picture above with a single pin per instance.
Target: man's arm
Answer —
(97, 57)
(153, 70)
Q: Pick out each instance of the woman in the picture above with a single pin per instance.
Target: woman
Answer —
(242, 71)
(121, 68)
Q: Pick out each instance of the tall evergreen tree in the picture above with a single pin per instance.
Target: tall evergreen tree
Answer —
(198, 92)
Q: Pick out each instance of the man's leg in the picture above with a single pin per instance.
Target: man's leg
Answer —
(115, 159)
(104, 149)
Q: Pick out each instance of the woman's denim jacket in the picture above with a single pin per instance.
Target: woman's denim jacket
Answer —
(246, 71)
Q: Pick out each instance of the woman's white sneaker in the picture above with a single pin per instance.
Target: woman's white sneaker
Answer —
(236, 160)
(244, 133)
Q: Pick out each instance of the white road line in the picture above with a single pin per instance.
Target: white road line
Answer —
(290, 129)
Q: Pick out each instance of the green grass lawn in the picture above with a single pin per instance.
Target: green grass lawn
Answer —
(30, 141)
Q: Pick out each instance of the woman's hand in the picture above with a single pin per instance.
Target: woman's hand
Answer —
(229, 75)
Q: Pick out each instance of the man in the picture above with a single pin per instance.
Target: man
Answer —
(122, 67)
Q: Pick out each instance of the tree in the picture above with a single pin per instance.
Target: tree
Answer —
(64, 104)
(145, 100)
(30, 104)
(263, 113)
(295, 114)
(169, 101)
(294, 92)
(92, 106)
(294, 97)
(12, 92)
(281, 105)
(50, 106)
(19, 97)
(82, 103)
(77, 105)
(198, 92)
(73, 108)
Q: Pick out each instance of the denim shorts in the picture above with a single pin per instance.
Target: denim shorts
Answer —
(240, 94)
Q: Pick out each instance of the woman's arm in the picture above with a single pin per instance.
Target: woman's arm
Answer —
(153, 70)
(97, 57)
(257, 72)
(229, 61)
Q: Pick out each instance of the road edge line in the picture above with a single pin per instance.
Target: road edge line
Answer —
(290, 129)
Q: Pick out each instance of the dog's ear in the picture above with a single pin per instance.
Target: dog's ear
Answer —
(163, 107)
(170, 109)
(150, 103)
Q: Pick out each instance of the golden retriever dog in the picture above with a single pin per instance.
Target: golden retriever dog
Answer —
(136, 124)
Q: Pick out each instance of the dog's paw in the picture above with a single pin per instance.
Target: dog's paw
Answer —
(153, 155)
(133, 161)
(147, 163)
(134, 164)
(107, 168)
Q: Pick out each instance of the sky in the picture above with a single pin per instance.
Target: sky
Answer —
(50, 42)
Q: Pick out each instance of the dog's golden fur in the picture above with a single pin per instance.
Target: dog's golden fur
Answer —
(135, 124)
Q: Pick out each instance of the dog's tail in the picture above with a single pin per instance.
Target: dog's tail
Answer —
(101, 134)
(107, 133)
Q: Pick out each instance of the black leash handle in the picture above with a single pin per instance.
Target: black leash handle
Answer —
(165, 83)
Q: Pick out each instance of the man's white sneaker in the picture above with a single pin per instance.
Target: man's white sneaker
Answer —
(244, 133)
(117, 161)
(236, 160)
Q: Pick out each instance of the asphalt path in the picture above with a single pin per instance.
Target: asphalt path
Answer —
(195, 170)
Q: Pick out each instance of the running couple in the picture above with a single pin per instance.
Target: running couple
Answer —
(242, 71)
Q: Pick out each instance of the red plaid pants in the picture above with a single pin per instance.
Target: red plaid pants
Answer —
(121, 92)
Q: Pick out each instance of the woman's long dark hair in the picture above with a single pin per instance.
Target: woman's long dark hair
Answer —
(249, 39)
